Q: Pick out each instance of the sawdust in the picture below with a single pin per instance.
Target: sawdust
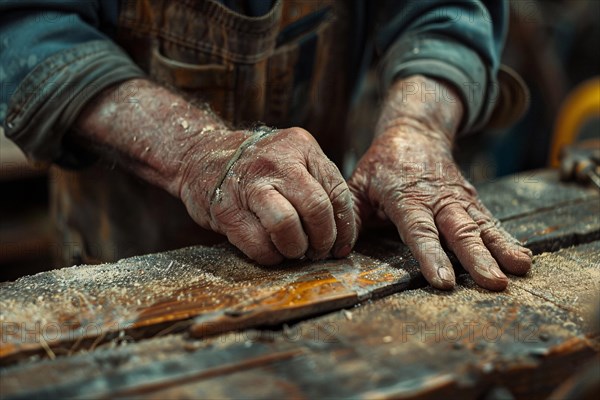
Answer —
(91, 301)
(537, 312)
(411, 332)
(114, 292)
(569, 278)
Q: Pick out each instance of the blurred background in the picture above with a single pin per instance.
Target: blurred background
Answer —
(552, 44)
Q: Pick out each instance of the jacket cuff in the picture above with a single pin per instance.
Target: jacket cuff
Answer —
(49, 99)
(448, 60)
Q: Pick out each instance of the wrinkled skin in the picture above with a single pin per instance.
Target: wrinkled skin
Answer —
(408, 176)
(283, 198)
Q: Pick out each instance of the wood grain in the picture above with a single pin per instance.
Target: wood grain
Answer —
(61, 311)
(64, 309)
(416, 344)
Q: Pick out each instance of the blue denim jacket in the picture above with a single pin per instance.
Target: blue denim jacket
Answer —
(57, 55)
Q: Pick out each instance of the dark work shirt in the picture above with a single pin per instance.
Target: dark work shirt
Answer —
(56, 46)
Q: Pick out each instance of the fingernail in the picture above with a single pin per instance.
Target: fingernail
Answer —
(445, 274)
(498, 274)
(489, 273)
(343, 252)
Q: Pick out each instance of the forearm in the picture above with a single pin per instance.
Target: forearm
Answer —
(422, 103)
(150, 130)
(430, 40)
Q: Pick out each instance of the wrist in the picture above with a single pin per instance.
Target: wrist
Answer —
(151, 132)
(412, 140)
(203, 163)
(420, 104)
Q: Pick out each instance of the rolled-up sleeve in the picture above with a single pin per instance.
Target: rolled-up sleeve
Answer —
(458, 42)
(53, 59)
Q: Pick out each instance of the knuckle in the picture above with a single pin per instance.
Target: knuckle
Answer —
(282, 222)
(242, 232)
(255, 190)
(300, 134)
(482, 254)
(430, 249)
(488, 227)
(323, 169)
(466, 230)
(397, 195)
(225, 215)
(293, 173)
(340, 195)
(318, 206)
(266, 163)
(421, 228)
(471, 247)
(268, 168)
(483, 220)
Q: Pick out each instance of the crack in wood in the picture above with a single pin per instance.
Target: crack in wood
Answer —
(544, 209)
(543, 297)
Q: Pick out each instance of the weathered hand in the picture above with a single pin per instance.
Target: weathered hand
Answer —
(274, 194)
(409, 176)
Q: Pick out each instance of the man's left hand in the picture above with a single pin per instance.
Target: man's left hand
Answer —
(408, 176)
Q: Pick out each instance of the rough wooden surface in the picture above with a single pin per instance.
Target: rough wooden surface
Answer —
(420, 343)
(58, 309)
(543, 212)
(58, 312)
(530, 192)
(559, 227)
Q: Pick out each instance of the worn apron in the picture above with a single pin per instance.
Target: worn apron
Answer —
(285, 68)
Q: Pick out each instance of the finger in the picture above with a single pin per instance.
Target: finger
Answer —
(330, 178)
(362, 207)
(418, 231)
(281, 221)
(315, 210)
(246, 233)
(463, 238)
(511, 256)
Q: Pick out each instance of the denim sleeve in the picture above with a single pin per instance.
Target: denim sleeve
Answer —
(458, 41)
(54, 57)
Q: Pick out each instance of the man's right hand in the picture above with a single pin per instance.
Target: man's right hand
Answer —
(282, 198)
(275, 196)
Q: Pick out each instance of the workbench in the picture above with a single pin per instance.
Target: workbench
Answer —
(204, 322)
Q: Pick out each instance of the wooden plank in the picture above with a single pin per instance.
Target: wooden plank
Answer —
(62, 310)
(530, 192)
(559, 227)
(569, 279)
(420, 343)
(63, 307)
